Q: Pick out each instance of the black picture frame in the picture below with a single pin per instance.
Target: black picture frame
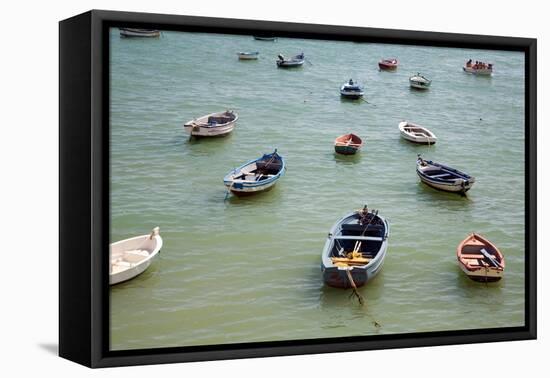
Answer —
(84, 189)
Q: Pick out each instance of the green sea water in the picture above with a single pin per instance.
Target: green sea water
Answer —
(248, 269)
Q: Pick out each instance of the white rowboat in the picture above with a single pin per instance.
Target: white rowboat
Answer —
(248, 55)
(214, 124)
(416, 133)
(131, 257)
(419, 82)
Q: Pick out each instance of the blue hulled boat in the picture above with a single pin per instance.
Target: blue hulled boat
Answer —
(355, 249)
(351, 90)
(443, 177)
(256, 176)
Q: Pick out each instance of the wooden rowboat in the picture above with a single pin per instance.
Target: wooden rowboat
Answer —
(388, 64)
(256, 176)
(478, 68)
(265, 38)
(443, 177)
(480, 259)
(295, 61)
(214, 124)
(139, 33)
(244, 55)
(131, 257)
(419, 82)
(355, 249)
(347, 144)
(416, 133)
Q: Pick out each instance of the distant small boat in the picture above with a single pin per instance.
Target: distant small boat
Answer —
(347, 144)
(256, 176)
(419, 82)
(248, 55)
(355, 249)
(388, 64)
(143, 33)
(416, 133)
(265, 38)
(442, 177)
(478, 68)
(214, 124)
(351, 90)
(131, 257)
(295, 61)
(480, 259)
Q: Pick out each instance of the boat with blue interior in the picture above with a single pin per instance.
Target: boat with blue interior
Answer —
(355, 249)
(256, 176)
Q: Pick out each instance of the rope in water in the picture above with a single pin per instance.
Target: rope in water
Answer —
(355, 292)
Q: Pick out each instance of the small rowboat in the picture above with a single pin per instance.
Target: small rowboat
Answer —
(143, 33)
(419, 82)
(347, 144)
(478, 68)
(265, 38)
(442, 177)
(248, 55)
(130, 257)
(256, 176)
(480, 259)
(214, 124)
(351, 90)
(416, 133)
(355, 249)
(295, 61)
(388, 64)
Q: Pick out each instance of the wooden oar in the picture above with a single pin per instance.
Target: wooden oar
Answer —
(490, 258)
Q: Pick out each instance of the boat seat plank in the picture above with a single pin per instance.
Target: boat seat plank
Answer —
(135, 256)
(352, 237)
(475, 256)
(441, 175)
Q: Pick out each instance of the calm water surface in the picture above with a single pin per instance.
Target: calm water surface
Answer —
(242, 270)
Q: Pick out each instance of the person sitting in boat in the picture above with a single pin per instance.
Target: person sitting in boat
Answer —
(363, 214)
(490, 66)
(469, 63)
(350, 82)
(281, 57)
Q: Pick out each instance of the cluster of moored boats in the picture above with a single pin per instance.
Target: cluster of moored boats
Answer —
(357, 244)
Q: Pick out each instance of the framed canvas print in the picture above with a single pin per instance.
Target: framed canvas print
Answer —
(235, 188)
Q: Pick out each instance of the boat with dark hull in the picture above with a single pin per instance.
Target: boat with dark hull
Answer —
(355, 249)
(139, 33)
(267, 38)
(352, 90)
(443, 177)
(347, 144)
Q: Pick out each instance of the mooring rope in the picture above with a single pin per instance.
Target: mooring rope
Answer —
(354, 286)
